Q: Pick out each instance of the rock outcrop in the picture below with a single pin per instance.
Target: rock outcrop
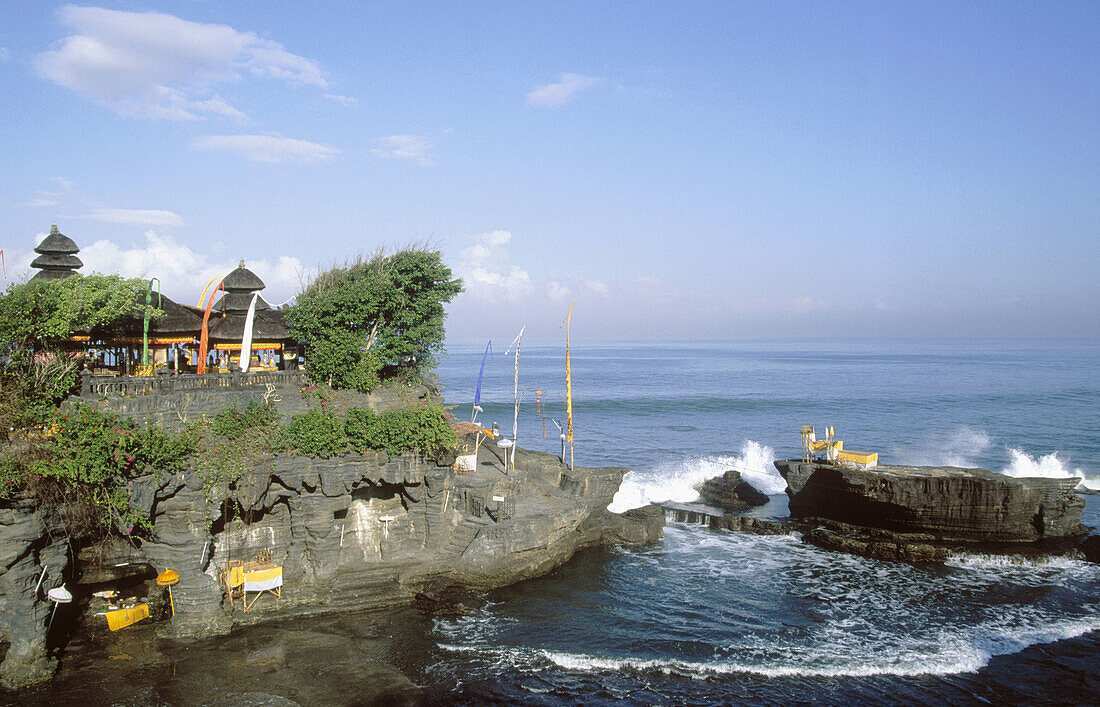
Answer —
(29, 544)
(356, 531)
(730, 492)
(944, 503)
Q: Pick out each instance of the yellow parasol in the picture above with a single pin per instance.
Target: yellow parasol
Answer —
(166, 579)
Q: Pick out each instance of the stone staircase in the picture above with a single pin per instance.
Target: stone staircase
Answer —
(460, 539)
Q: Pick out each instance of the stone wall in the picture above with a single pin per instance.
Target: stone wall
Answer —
(171, 401)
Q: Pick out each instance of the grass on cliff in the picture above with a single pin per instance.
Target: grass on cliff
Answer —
(83, 464)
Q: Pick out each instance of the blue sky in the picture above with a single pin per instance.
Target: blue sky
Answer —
(681, 170)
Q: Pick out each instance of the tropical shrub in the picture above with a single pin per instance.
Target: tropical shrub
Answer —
(316, 433)
(233, 423)
(95, 455)
(382, 314)
(423, 428)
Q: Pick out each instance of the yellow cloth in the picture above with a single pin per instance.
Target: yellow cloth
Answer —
(262, 580)
(122, 618)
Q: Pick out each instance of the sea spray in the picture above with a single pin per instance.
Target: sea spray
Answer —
(1050, 466)
(677, 480)
(964, 446)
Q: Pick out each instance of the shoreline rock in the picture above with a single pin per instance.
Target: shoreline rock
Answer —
(730, 493)
(948, 503)
(354, 532)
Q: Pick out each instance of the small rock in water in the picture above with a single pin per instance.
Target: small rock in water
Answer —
(731, 493)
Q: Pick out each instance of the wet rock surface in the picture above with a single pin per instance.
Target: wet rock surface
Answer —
(948, 503)
(731, 493)
(342, 659)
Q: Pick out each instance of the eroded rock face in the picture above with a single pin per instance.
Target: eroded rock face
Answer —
(368, 530)
(28, 543)
(949, 503)
(358, 531)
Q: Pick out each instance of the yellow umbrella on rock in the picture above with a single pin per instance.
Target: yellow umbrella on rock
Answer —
(166, 579)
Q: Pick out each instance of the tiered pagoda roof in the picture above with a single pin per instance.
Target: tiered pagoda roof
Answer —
(56, 256)
(240, 285)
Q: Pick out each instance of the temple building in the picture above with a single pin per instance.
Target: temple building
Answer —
(172, 342)
(271, 340)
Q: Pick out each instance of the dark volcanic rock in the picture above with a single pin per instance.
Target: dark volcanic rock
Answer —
(449, 600)
(949, 503)
(745, 524)
(730, 493)
(875, 542)
(637, 526)
(28, 544)
(1091, 548)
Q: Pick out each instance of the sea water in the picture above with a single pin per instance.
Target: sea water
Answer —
(705, 616)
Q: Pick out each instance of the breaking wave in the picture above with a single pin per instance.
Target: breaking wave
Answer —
(676, 480)
(948, 654)
(1049, 466)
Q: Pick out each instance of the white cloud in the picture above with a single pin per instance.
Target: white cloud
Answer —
(416, 148)
(557, 291)
(138, 217)
(183, 272)
(40, 201)
(4, 54)
(343, 100)
(266, 148)
(154, 65)
(63, 183)
(487, 273)
(560, 93)
(596, 286)
(807, 304)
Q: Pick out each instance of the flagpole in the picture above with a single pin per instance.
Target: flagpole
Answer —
(569, 387)
(515, 416)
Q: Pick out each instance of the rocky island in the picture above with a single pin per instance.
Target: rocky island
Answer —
(913, 513)
(177, 463)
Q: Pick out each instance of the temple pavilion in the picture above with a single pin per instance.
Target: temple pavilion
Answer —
(173, 340)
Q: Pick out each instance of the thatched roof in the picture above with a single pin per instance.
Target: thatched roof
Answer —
(56, 242)
(464, 427)
(242, 280)
(56, 259)
(179, 321)
(268, 325)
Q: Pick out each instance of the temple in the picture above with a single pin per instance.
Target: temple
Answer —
(172, 343)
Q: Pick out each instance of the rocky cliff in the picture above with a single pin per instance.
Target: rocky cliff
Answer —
(29, 544)
(354, 531)
(945, 503)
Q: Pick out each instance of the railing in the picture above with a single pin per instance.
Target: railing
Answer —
(92, 386)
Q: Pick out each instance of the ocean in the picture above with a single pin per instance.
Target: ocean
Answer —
(706, 617)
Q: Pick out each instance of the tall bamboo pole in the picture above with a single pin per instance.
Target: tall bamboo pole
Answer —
(569, 387)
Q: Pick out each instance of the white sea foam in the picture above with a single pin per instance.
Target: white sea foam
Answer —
(1050, 466)
(982, 561)
(676, 480)
(951, 654)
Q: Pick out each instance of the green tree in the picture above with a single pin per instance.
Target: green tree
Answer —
(36, 315)
(384, 313)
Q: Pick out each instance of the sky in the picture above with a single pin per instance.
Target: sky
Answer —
(682, 171)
